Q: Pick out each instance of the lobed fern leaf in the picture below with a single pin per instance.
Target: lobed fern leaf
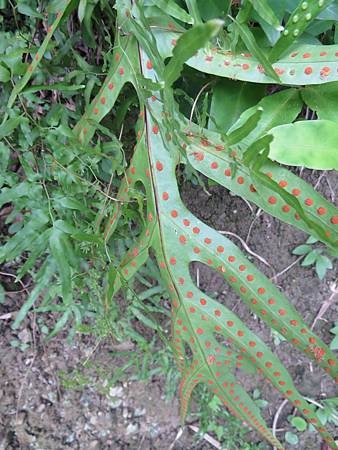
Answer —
(178, 238)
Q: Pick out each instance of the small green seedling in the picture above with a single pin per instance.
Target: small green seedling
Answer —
(313, 256)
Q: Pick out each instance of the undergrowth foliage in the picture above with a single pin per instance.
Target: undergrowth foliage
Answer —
(238, 150)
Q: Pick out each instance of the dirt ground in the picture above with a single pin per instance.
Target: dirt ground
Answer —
(38, 412)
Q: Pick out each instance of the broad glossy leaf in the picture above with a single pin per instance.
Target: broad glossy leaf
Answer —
(213, 9)
(308, 143)
(172, 8)
(323, 100)
(229, 99)
(263, 9)
(277, 109)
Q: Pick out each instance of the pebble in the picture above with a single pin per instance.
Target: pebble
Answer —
(116, 391)
(131, 428)
(139, 412)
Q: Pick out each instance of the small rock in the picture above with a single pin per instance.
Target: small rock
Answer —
(40, 408)
(114, 404)
(116, 391)
(24, 336)
(131, 428)
(93, 420)
(139, 412)
(154, 430)
(70, 439)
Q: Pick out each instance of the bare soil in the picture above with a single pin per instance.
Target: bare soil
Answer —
(38, 412)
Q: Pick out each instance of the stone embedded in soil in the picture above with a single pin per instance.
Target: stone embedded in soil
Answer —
(25, 336)
(116, 391)
(132, 428)
(114, 404)
(139, 412)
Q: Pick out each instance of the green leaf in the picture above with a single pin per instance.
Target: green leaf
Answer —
(213, 9)
(323, 263)
(229, 100)
(312, 144)
(41, 282)
(292, 68)
(53, 87)
(322, 99)
(58, 244)
(302, 250)
(172, 9)
(27, 10)
(299, 423)
(186, 47)
(4, 74)
(252, 46)
(334, 343)
(299, 20)
(245, 129)
(280, 108)
(7, 127)
(310, 258)
(85, 237)
(291, 438)
(144, 319)
(81, 10)
(311, 240)
(60, 324)
(264, 10)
